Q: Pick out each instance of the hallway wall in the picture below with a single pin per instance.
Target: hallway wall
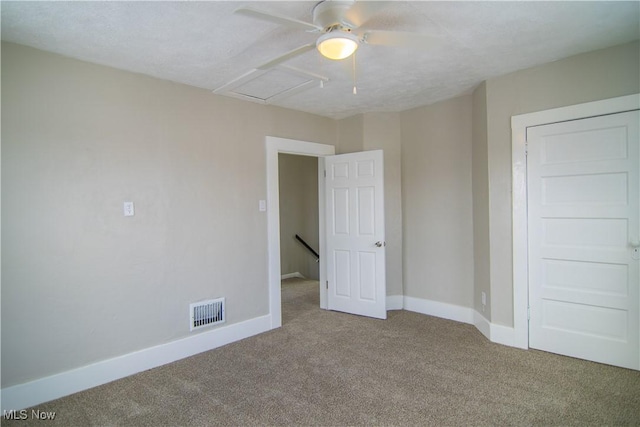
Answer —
(298, 214)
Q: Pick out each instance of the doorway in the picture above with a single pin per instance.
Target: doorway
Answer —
(275, 146)
(353, 277)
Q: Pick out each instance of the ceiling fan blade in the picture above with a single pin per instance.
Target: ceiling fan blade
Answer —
(278, 19)
(361, 12)
(399, 38)
(291, 54)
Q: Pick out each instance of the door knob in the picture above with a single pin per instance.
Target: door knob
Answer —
(634, 243)
(381, 244)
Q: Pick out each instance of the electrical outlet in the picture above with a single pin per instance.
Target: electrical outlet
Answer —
(484, 298)
(129, 209)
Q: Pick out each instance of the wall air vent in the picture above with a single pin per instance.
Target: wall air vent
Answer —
(206, 313)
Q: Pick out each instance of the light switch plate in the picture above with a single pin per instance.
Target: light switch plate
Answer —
(262, 205)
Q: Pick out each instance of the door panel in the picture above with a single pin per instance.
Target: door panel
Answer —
(583, 207)
(342, 274)
(355, 223)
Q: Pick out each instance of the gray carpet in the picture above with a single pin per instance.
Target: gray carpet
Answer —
(329, 368)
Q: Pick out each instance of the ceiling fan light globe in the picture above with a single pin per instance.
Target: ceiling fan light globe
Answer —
(337, 46)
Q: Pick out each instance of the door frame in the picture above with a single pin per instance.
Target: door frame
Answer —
(275, 146)
(519, 125)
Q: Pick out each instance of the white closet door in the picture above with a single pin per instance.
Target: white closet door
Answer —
(584, 227)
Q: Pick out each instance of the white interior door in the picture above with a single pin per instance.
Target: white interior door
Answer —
(355, 233)
(584, 227)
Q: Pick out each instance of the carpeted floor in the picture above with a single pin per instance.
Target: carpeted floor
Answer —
(329, 368)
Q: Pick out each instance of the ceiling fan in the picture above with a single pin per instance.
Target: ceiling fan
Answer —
(339, 23)
(341, 28)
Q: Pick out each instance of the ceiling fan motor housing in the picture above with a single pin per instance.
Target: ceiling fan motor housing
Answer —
(330, 13)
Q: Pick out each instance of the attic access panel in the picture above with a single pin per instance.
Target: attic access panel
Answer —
(269, 85)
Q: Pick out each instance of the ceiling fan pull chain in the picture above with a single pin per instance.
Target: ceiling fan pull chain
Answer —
(355, 90)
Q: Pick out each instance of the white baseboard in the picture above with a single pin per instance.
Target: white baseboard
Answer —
(49, 388)
(394, 302)
(439, 309)
(53, 387)
(482, 324)
(498, 334)
(297, 275)
(503, 335)
(495, 333)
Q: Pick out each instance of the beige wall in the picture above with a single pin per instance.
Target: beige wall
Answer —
(437, 202)
(480, 185)
(350, 135)
(587, 77)
(298, 179)
(82, 283)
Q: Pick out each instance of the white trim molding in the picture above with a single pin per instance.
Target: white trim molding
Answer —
(439, 309)
(296, 275)
(63, 384)
(502, 335)
(395, 302)
(519, 125)
(482, 324)
(495, 333)
(274, 146)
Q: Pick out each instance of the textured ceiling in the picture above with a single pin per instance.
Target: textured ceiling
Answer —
(205, 44)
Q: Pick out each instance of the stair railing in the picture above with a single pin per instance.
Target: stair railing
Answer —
(306, 245)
